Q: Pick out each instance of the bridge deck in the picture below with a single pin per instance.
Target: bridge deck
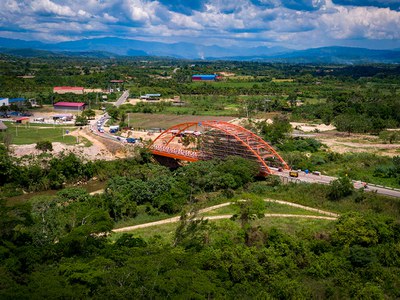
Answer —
(181, 154)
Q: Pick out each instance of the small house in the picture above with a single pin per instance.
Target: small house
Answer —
(22, 120)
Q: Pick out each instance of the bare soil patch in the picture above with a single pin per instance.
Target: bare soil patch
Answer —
(147, 121)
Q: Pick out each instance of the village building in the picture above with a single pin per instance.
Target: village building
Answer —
(75, 106)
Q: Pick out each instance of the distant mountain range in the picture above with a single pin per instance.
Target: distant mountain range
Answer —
(114, 47)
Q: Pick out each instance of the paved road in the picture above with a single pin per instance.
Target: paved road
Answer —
(323, 179)
(97, 125)
(123, 98)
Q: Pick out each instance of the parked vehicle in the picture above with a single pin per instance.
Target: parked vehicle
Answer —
(294, 174)
(131, 140)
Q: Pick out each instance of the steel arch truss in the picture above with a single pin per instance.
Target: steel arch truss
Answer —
(216, 139)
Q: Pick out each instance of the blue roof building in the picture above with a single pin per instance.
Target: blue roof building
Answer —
(16, 100)
(207, 77)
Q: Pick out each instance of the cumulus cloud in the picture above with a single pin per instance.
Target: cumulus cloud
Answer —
(47, 6)
(298, 24)
(363, 22)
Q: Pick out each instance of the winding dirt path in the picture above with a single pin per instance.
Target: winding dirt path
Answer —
(329, 215)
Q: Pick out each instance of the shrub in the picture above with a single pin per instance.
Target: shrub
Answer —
(44, 146)
(340, 188)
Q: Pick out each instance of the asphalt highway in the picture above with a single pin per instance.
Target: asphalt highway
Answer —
(323, 179)
(123, 98)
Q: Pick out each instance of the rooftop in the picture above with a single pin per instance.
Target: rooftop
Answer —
(12, 100)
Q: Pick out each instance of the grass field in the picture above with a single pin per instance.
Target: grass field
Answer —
(270, 208)
(166, 232)
(22, 134)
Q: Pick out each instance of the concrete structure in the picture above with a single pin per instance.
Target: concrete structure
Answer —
(68, 89)
(4, 102)
(75, 106)
(200, 77)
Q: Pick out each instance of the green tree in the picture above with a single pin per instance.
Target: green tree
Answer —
(352, 123)
(81, 120)
(389, 136)
(44, 146)
(192, 232)
(339, 188)
(89, 113)
(277, 131)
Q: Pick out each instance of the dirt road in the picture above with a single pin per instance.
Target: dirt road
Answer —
(329, 215)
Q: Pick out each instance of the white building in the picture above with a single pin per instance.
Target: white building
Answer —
(4, 102)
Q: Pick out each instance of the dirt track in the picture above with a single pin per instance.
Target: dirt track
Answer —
(329, 215)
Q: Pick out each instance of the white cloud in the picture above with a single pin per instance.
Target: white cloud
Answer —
(219, 21)
(142, 11)
(48, 6)
(362, 22)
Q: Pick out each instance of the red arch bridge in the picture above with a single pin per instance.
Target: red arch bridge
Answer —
(216, 139)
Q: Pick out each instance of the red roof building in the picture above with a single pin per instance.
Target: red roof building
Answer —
(77, 106)
(68, 89)
(22, 120)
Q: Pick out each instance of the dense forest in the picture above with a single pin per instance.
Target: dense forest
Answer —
(58, 246)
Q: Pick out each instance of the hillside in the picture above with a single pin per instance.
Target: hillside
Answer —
(109, 47)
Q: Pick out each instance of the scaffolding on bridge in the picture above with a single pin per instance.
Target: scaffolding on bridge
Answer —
(218, 140)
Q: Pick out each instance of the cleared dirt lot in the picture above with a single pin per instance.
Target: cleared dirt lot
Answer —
(147, 121)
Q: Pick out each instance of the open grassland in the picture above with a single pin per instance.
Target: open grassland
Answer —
(296, 225)
(142, 218)
(30, 134)
(225, 228)
(164, 233)
(270, 208)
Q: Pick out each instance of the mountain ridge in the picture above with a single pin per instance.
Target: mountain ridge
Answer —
(114, 47)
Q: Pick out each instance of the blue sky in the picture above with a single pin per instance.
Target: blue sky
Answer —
(288, 23)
